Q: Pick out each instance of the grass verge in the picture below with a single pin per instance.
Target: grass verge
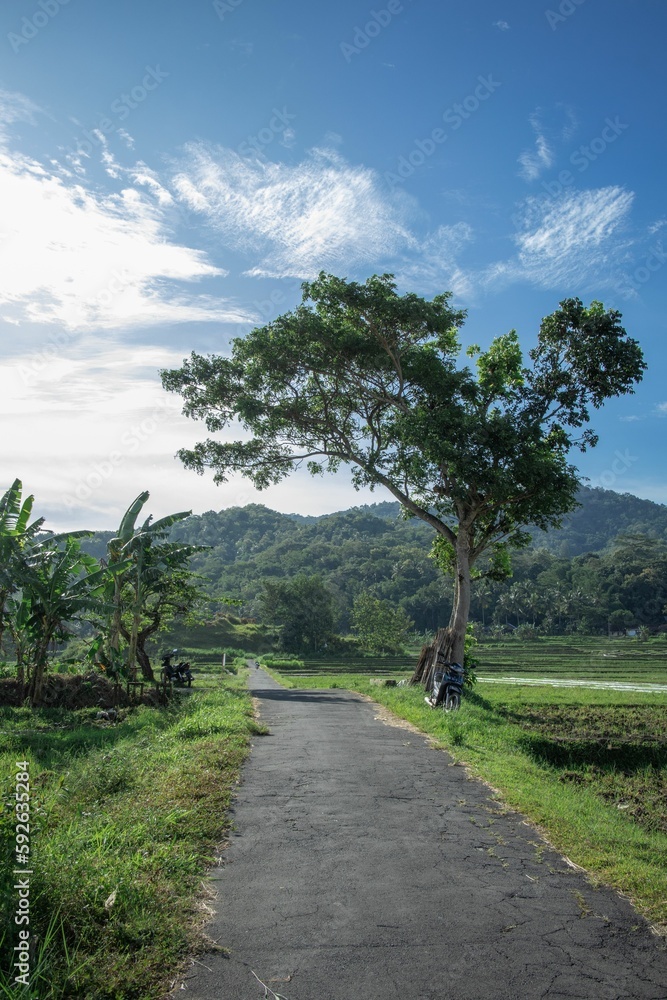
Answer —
(568, 760)
(125, 820)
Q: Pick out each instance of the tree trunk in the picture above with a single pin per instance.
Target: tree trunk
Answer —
(141, 654)
(448, 645)
(36, 682)
(144, 662)
(114, 637)
(461, 612)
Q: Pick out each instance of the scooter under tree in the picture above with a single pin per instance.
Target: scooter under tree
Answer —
(180, 673)
(447, 687)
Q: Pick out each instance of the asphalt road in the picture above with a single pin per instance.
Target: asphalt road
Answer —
(365, 865)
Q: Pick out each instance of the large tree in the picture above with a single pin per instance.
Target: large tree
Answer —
(358, 375)
(380, 627)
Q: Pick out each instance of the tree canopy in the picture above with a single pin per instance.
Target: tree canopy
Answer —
(362, 376)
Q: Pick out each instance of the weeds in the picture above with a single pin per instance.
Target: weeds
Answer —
(128, 817)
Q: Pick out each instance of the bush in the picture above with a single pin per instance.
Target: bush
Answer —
(470, 662)
(526, 631)
(278, 660)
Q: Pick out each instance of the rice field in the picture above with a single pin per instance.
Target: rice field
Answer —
(556, 660)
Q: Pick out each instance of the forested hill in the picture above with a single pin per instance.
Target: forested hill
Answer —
(372, 548)
(602, 517)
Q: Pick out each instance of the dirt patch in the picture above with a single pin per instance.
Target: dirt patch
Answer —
(617, 751)
(635, 724)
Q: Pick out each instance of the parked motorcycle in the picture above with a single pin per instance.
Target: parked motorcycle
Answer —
(180, 673)
(447, 687)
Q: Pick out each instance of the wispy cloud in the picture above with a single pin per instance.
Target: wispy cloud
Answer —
(295, 220)
(569, 127)
(501, 25)
(15, 108)
(661, 409)
(541, 157)
(85, 260)
(436, 264)
(573, 240)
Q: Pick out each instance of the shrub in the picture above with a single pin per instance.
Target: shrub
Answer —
(526, 631)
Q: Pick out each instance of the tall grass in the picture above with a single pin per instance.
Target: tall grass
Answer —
(126, 819)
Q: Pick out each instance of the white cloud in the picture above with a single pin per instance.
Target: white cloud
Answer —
(322, 213)
(502, 25)
(661, 409)
(435, 266)
(86, 260)
(126, 137)
(571, 240)
(534, 161)
(15, 108)
(122, 432)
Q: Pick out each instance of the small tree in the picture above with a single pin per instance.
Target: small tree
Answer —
(303, 607)
(46, 583)
(162, 591)
(381, 628)
(59, 585)
(361, 376)
(16, 534)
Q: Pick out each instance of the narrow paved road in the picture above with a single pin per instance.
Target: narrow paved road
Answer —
(366, 866)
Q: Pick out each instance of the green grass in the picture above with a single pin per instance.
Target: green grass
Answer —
(589, 767)
(125, 821)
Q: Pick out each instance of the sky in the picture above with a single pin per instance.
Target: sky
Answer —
(170, 172)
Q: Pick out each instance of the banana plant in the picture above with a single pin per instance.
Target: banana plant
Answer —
(22, 542)
(138, 548)
(61, 585)
(18, 616)
(15, 533)
(160, 582)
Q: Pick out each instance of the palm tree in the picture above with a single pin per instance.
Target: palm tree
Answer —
(483, 592)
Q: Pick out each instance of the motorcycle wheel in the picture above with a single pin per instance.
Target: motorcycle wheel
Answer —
(452, 701)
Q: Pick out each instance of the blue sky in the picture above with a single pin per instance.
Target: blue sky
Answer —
(171, 172)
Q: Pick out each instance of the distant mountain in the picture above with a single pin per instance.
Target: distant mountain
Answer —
(371, 547)
(603, 516)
